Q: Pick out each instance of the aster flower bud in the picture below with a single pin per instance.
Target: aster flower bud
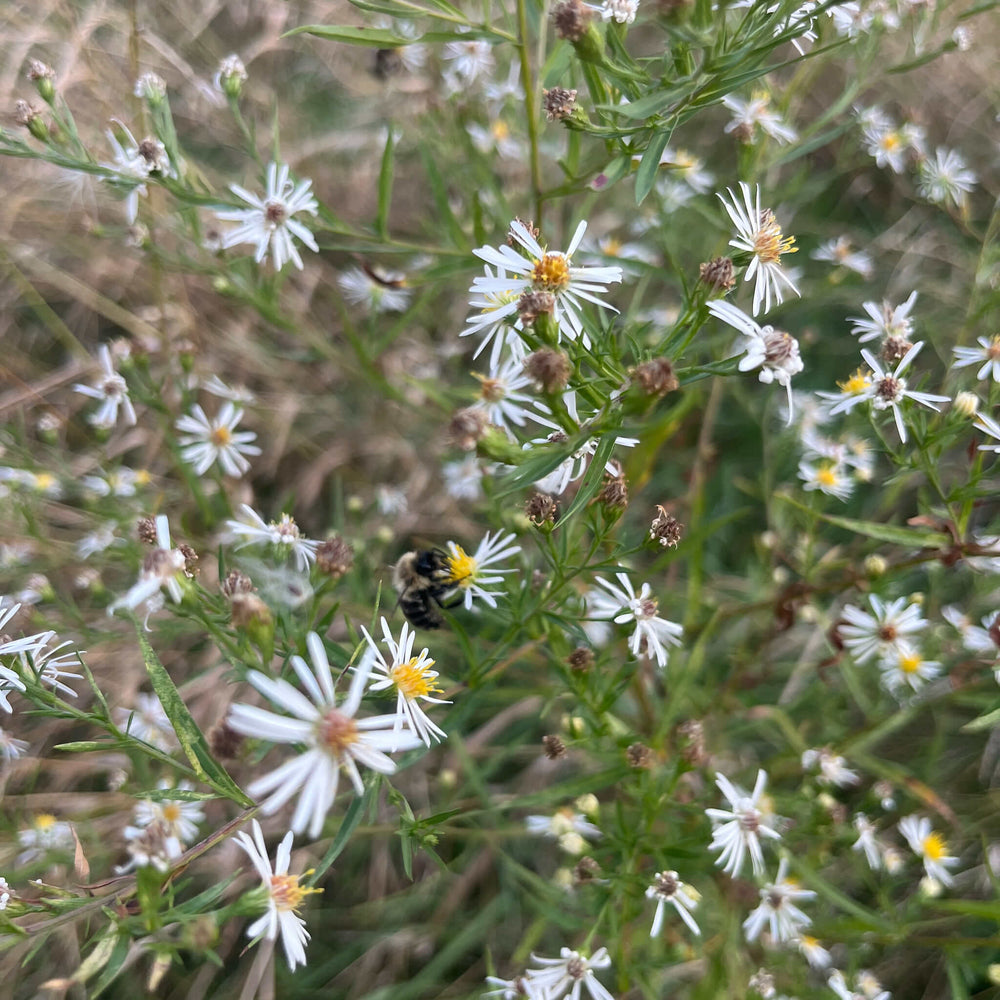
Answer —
(655, 378)
(230, 76)
(151, 88)
(966, 404)
(334, 557)
(717, 274)
(665, 528)
(43, 77)
(553, 747)
(26, 115)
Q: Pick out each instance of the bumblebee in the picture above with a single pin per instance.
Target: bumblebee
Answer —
(423, 579)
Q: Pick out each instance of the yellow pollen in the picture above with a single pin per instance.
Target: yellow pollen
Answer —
(500, 130)
(768, 242)
(44, 481)
(993, 351)
(461, 567)
(411, 678)
(891, 141)
(611, 247)
(493, 390)
(826, 476)
(221, 437)
(172, 812)
(910, 664)
(142, 477)
(551, 273)
(856, 384)
(287, 893)
(44, 820)
(337, 732)
(935, 847)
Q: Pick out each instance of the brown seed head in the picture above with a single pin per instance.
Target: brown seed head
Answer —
(249, 609)
(548, 368)
(571, 19)
(533, 304)
(614, 493)
(717, 274)
(24, 113)
(638, 755)
(541, 509)
(558, 103)
(586, 869)
(553, 747)
(145, 528)
(665, 529)
(581, 659)
(235, 584)
(893, 349)
(529, 225)
(468, 426)
(190, 558)
(692, 734)
(334, 557)
(656, 377)
(37, 70)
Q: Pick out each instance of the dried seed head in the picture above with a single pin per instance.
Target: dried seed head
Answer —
(541, 509)
(24, 113)
(529, 225)
(571, 19)
(656, 377)
(334, 557)
(533, 304)
(37, 70)
(717, 274)
(586, 869)
(468, 426)
(145, 529)
(692, 734)
(190, 558)
(614, 493)
(894, 348)
(548, 368)
(249, 611)
(225, 743)
(638, 755)
(665, 529)
(553, 747)
(558, 103)
(581, 659)
(155, 154)
(236, 584)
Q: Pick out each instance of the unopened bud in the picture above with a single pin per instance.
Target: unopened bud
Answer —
(717, 274)
(231, 76)
(966, 404)
(43, 77)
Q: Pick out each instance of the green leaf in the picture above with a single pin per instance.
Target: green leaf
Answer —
(987, 721)
(376, 38)
(188, 734)
(385, 188)
(593, 479)
(347, 826)
(650, 165)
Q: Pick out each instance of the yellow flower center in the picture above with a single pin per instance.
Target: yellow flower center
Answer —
(826, 476)
(461, 567)
(500, 130)
(287, 893)
(910, 664)
(551, 273)
(993, 351)
(768, 242)
(221, 437)
(891, 141)
(413, 678)
(44, 481)
(493, 390)
(172, 812)
(337, 732)
(935, 847)
(611, 247)
(142, 477)
(43, 821)
(855, 385)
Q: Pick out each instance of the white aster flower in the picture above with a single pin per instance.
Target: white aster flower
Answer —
(230, 76)
(206, 441)
(828, 477)
(11, 748)
(49, 665)
(884, 320)
(777, 910)
(814, 953)
(975, 639)
(150, 846)
(333, 737)
(122, 482)
(500, 397)
(283, 535)
(464, 480)
(46, 833)
(471, 574)
(987, 354)
(374, 292)
(867, 987)
(566, 975)
(508, 989)
(497, 138)
(989, 426)
(180, 818)
(111, 390)
(758, 233)
(737, 831)
(888, 389)
(467, 61)
(133, 164)
(884, 631)
(905, 666)
(945, 178)
(868, 841)
(26, 645)
(391, 500)
(833, 769)
(683, 164)
(284, 895)
(412, 679)
(668, 888)
(268, 223)
(161, 568)
(889, 144)
(652, 634)
(748, 116)
(552, 271)
(838, 251)
(238, 394)
(497, 319)
(929, 846)
(774, 352)
(620, 11)
(147, 722)
(566, 826)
